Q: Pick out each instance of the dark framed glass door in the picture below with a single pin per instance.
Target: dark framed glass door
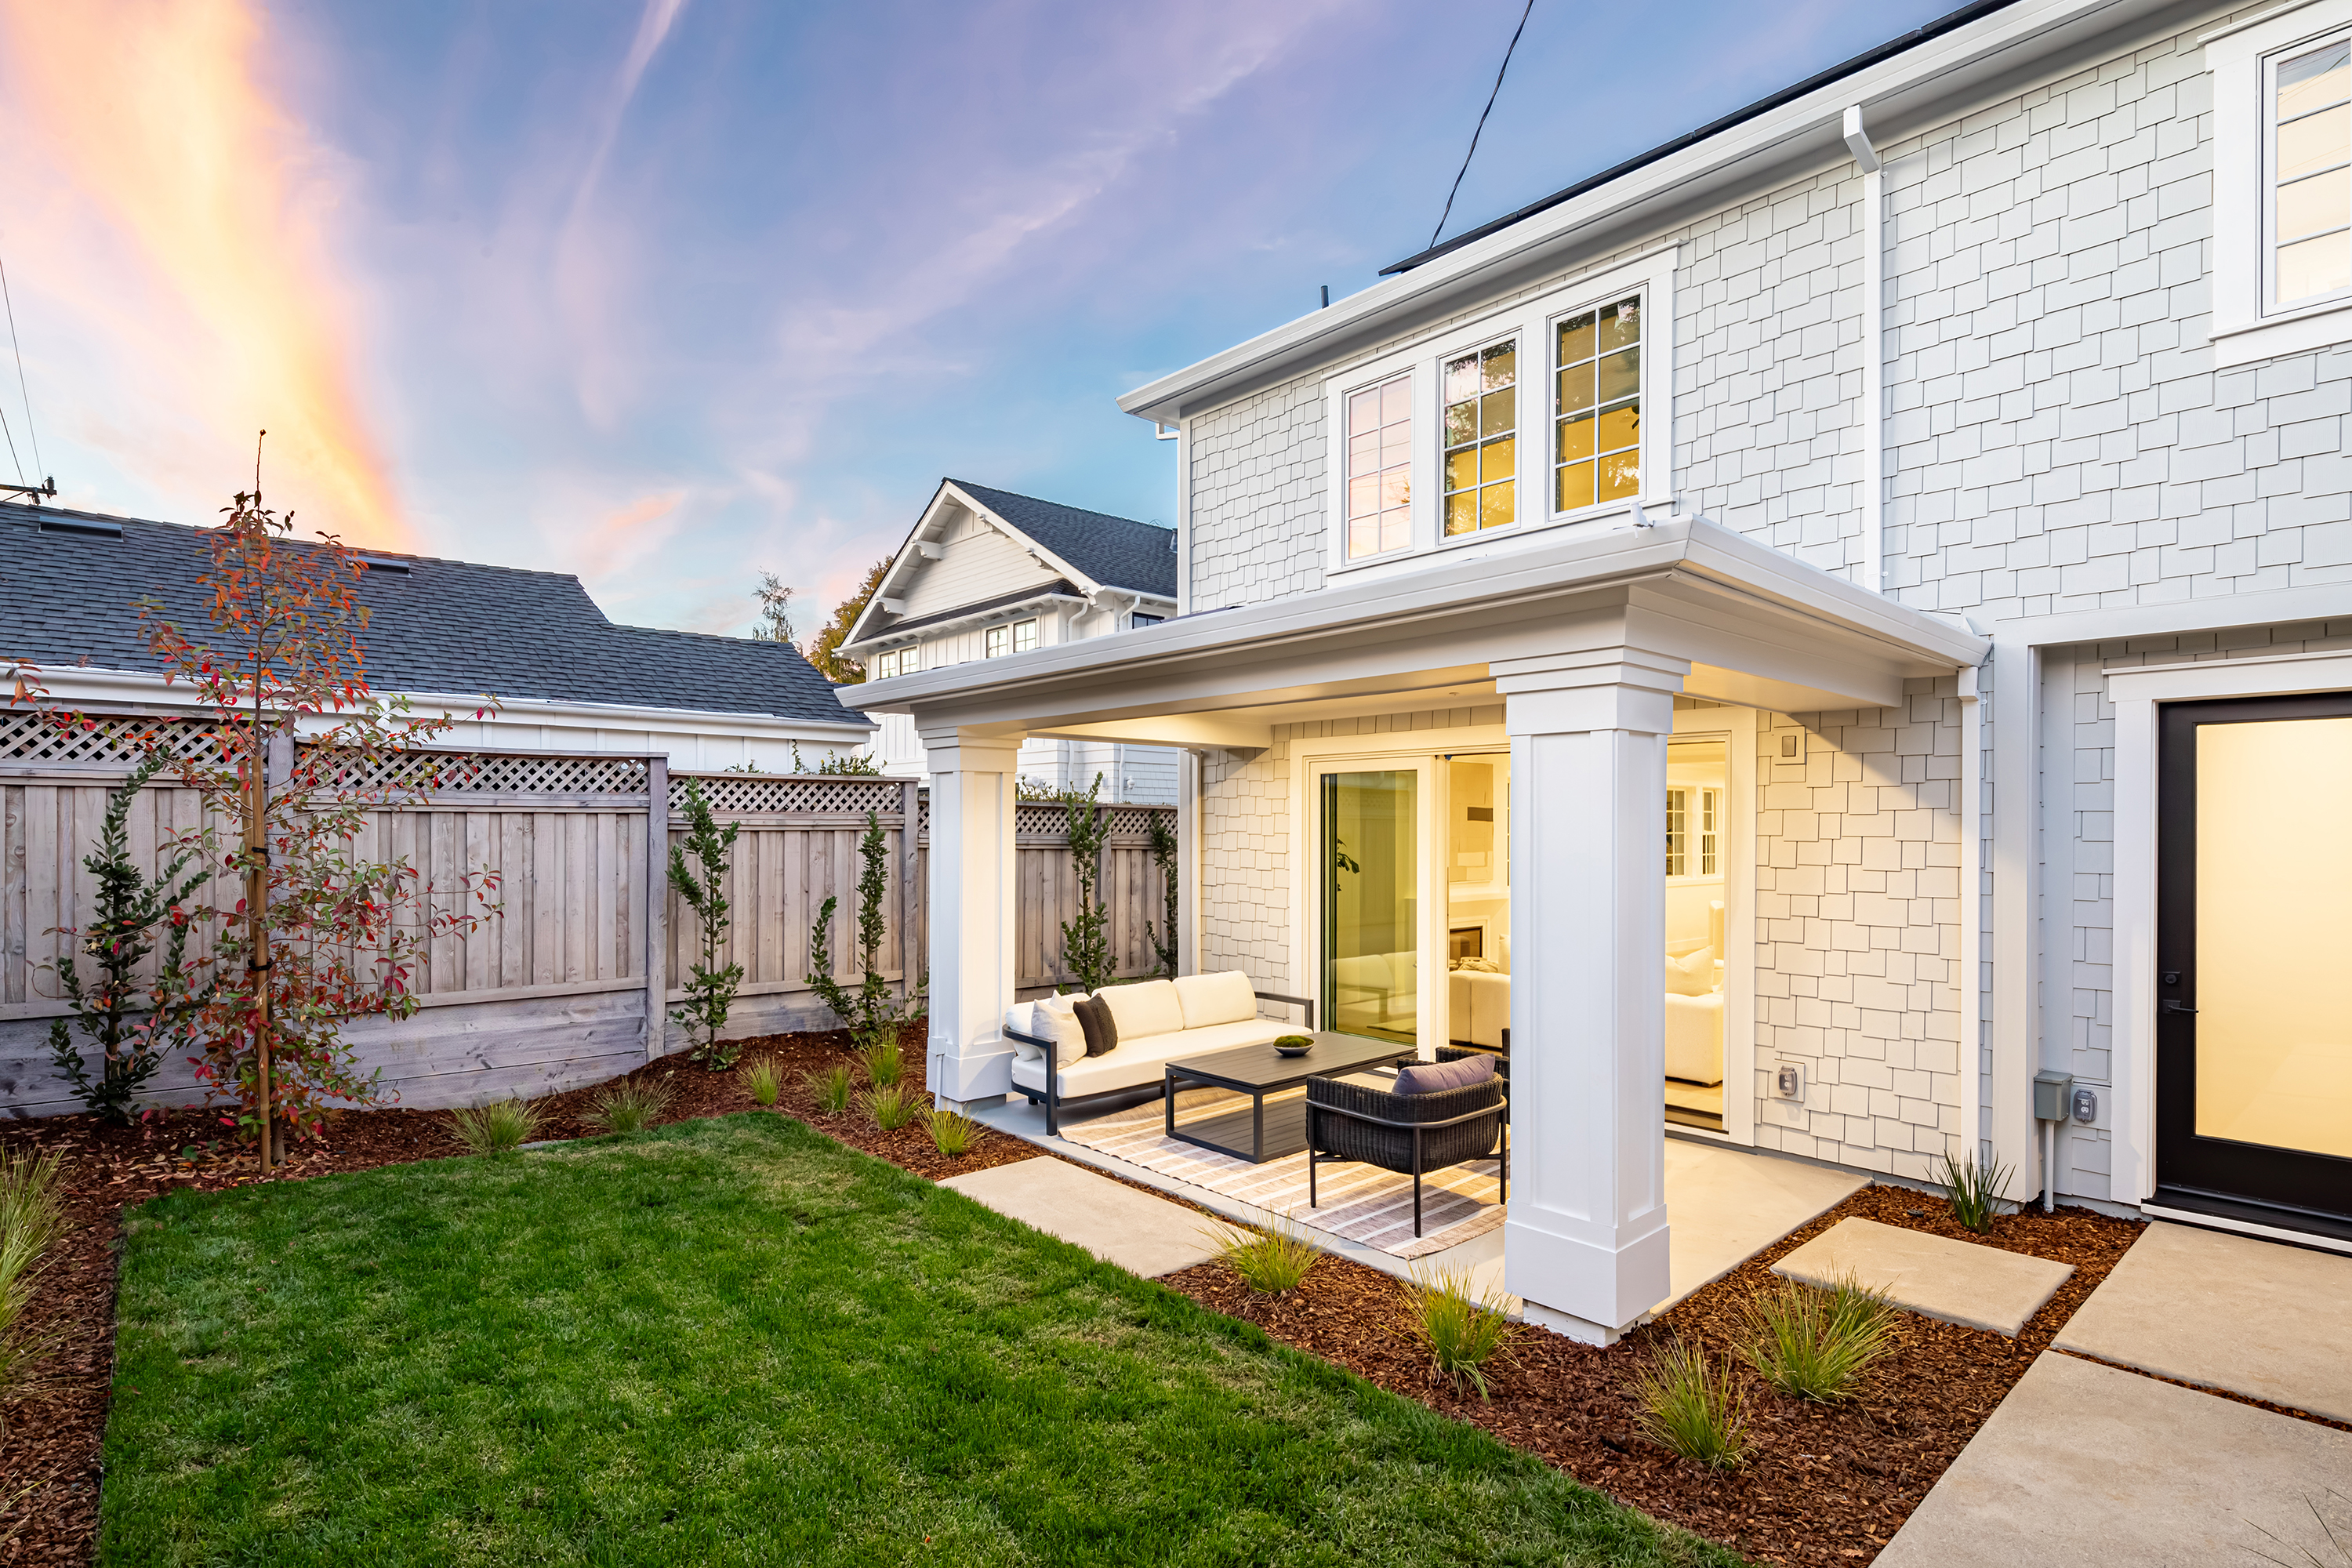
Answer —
(2253, 1018)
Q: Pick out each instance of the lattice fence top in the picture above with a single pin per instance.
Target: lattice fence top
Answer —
(1046, 819)
(794, 795)
(119, 740)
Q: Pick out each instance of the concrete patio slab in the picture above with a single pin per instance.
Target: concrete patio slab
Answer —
(1725, 1206)
(2257, 1318)
(1142, 1234)
(1958, 1281)
(2087, 1464)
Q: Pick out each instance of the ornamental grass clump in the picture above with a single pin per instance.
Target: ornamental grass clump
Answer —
(498, 1128)
(880, 1057)
(32, 1212)
(830, 1088)
(1816, 1343)
(1459, 1329)
(764, 1079)
(953, 1134)
(1978, 1187)
(1693, 1407)
(892, 1106)
(630, 1106)
(1269, 1262)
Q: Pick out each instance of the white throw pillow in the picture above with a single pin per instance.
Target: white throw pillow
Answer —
(1147, 1007)
(1056, 1020)
(1225, 998)
(1691, 977)
(1022, 1019)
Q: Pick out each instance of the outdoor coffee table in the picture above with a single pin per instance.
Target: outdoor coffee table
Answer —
(1259, 1135)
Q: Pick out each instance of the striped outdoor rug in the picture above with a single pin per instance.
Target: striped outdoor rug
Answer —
(1363, 1202)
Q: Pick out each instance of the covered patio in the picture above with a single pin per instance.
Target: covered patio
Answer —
(1568, 670)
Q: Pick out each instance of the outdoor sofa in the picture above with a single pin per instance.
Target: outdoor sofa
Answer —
(1157, 1021)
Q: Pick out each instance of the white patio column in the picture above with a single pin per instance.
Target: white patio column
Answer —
(971, 915)
(1585, 1244)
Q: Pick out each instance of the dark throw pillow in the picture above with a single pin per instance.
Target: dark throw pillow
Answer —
(1430, 1078)
(1101, 1028)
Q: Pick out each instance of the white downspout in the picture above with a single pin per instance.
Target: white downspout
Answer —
(1971, 975)
(1873, 352)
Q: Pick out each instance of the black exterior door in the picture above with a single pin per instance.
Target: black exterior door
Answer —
(2253, 998)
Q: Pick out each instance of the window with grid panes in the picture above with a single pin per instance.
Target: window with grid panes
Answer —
(1597, 361)
(1693, 832)
(996, 642)
(1482, 420)
(1380, 469)
(2311, 173)
(1024, 636)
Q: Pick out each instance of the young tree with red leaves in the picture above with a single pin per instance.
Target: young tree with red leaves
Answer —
(299, 755)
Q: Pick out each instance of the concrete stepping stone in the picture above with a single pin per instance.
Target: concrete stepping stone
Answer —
(1142, 1234)
(2088, 1464)
(1934, 1275)
(2258, 1317)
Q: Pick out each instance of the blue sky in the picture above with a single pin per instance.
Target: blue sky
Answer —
(670, 291)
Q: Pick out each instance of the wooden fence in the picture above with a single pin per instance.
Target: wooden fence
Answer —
(555, 991)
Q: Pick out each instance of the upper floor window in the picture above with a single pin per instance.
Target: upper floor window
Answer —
(1018, 637)
(1144, 620)
(2311, 168)
(1526, 418)
(2282, 223)
(1598, 403)
(897, 661)
(1481, 421)
(1380, 469)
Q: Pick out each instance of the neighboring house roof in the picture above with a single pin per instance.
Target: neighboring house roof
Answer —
(1115, 552)
(1080, 553)
(439, 626)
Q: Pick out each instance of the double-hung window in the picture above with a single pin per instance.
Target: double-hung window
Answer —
(897, 661)
(2282, 182)
(1523, 419)
(1018, 637)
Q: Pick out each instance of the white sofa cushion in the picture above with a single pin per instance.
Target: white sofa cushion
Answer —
(1142, 1062)
(1147, 1007)
(1480, 1008)
(1224, 998)
(1056, 1020)
(1691, 977)
(1021, 1018)
(1694, 1038)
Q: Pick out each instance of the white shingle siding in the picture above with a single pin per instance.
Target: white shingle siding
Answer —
(1857, 931)
(1257, 497)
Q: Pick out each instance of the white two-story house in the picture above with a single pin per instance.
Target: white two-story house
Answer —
(1842, 616)
(985, 574)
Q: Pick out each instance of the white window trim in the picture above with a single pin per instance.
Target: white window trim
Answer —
(2136, 690)
(2242, 330)
(1531, 319)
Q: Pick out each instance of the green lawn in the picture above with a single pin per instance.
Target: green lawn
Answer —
(735, 1341)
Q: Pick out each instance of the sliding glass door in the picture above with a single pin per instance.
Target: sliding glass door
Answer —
(1368, 836)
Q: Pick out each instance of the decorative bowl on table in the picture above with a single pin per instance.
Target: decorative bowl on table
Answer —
(1293, 1045)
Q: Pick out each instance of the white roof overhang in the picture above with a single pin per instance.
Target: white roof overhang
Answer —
(945, 500)
(1760, 629)
(1928, 85)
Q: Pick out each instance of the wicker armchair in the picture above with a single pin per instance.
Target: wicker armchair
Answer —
(1407, 1134)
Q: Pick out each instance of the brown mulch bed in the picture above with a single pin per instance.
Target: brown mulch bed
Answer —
(48, 1456)
(1823, 1484)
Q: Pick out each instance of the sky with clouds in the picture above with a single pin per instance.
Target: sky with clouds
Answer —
(667, 292)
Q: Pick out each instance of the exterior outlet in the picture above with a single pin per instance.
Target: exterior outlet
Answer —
(2086, 1106)
(1789, 1081)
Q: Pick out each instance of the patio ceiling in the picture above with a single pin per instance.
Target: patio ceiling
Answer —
(1759, 628)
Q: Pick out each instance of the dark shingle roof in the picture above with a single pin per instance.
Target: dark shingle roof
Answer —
(1116, 552)
(453, 626)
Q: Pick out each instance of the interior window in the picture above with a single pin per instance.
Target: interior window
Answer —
(1598, 361)
(1481, 439)
(2312, 174)
(1380, 469)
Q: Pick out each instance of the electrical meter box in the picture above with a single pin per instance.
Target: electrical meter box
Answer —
(2052, 1092)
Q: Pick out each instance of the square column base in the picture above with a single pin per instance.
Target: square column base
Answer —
(1583, 1331)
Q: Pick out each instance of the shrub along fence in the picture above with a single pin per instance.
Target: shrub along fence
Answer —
(555, 992)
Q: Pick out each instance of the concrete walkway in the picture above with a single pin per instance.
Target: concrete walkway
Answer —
(1934, 1275)
(2086, 1463)
(2228, 1311)
(1142, 1234)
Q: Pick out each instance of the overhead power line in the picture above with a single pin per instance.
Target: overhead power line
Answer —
(30, 433)
(1474, 135)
